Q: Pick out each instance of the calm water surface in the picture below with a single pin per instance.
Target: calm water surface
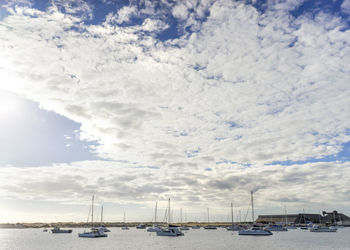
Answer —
(36, 239)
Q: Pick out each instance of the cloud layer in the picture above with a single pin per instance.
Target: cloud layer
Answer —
(238, 86)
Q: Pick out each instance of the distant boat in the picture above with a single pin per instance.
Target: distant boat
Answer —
(45, 230)
(155, 227)
(318, 229)
(278, 228)
(57, 230)
(211, 227)
(195, 227)
(171, 230)
(141, 226)
(124, 227)
(182, 227)
(104, 228)
(255, 231)
(95, 232)
(232, 227)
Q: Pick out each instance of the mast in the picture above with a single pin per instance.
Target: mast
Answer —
(124, 218)
(251, 194)
(232, 214)
(181, 216)
(240, 218)
(101, 214)
(285, 213)
(155, 214)
(92, 211)
(169, 211)
(208, 215)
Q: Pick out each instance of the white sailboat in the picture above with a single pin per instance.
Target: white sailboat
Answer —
(182, 227)
(255, 231)
(103, 227)
(155, 227)
(171, 230)
(232, 227)
(211, 227)
(124, 227)
(95, 232)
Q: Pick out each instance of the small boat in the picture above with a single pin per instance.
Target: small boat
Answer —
(210, 227)
(171, 230)
(124, 227)
(57, 230)
(256, 231)
(182, 227)
(141, 226)
(196, 227)
(317, 229)
(276, 228)
(94, 232)
(103, 227)
(233, 227)
(155, 227)
(45, 230)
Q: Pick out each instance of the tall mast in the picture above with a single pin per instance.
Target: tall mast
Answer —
(155, 214)
(169, 211)
(181, 216)
(101, 214)
(232, 214)
(251, 194)
(124, 218)
(208, 215)
(92, 211)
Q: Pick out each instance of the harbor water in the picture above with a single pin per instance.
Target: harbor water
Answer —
(36, 239)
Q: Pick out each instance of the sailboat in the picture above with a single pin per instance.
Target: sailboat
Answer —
(95, 232)
(209, 226)
(183, 227)
(125, 227)
(171, 230)
(155, 227)
(256, 231)
(103, 227)
(232, 227)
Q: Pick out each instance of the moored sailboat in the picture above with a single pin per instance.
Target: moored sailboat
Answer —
(171, 230)
(95, 232)
(254, 231)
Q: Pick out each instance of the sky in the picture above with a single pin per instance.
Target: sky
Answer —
(197, 101)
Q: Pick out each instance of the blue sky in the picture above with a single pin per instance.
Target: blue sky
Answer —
(200, 101)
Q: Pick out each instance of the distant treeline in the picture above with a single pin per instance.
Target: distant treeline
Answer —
(107, 224)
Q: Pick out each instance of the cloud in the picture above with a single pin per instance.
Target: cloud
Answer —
(245, 87)
(345, 6)
(113, 182)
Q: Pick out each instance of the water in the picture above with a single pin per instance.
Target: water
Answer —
(36, 239)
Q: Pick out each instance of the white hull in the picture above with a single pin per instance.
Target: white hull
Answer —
(154, 229)
(323, 230)
(173, 232)
(255, 232)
